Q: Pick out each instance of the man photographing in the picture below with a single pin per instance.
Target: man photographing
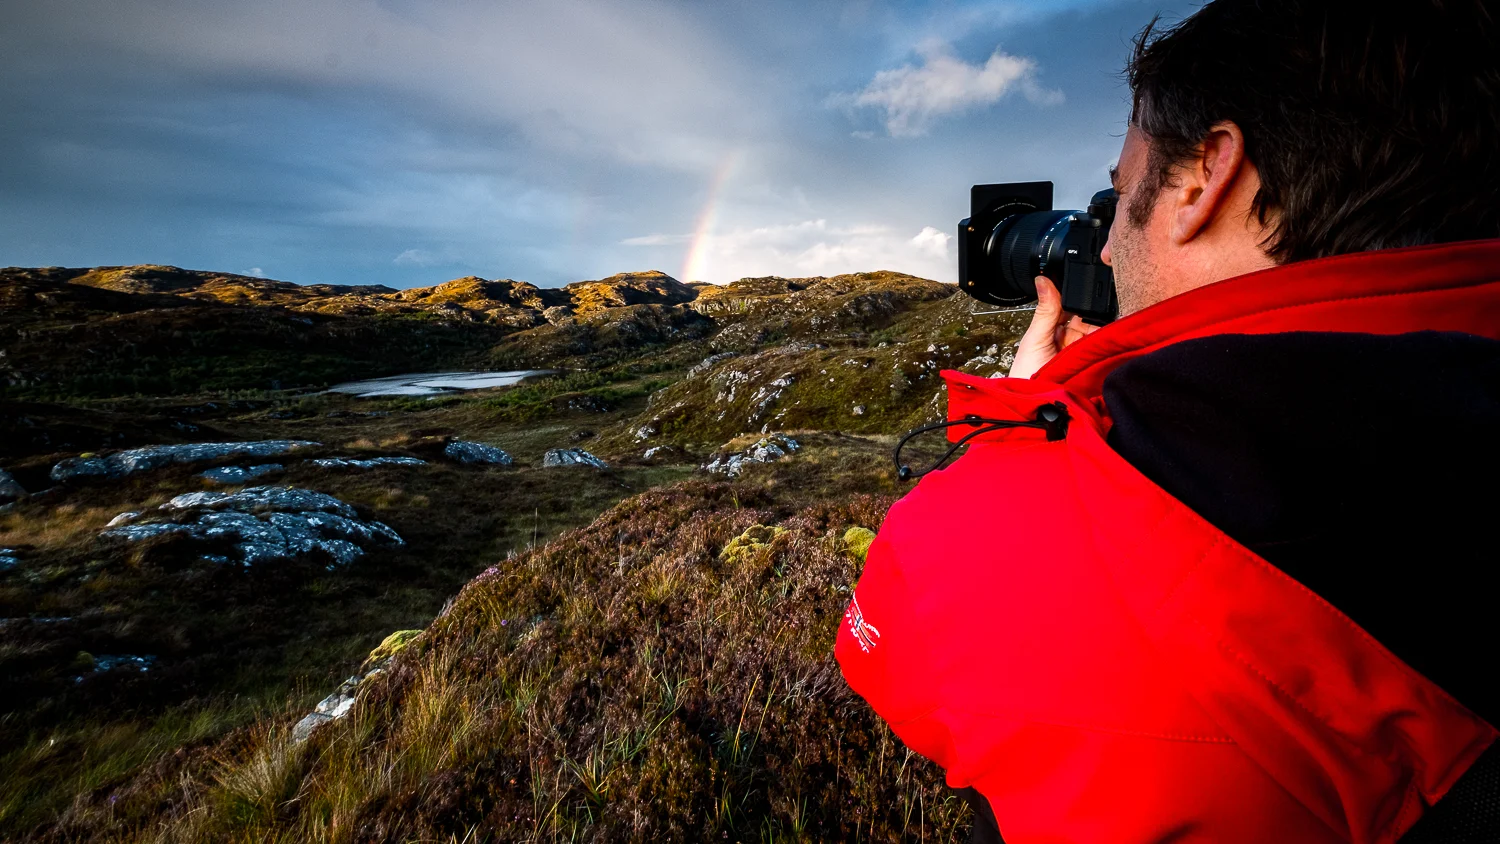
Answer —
(1218, 570)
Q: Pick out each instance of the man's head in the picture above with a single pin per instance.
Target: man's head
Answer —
(1270, 131)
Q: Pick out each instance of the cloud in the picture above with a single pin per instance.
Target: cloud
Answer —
(912, 97)
(415, 258)
(814, 248)
(656, 240)
(256, 271)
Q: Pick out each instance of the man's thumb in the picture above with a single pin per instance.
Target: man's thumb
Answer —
(1048, 300)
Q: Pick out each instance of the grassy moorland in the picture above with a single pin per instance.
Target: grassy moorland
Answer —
(642, 653)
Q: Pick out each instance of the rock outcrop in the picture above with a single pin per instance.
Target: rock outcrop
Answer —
(130, 461)
(766, 450)
(232, 475)
(471, 452)
(9, 489)
(260, 525)
(368, 463)
(571, 457)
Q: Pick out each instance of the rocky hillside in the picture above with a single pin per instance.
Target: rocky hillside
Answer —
(111, 331)
(598, 605)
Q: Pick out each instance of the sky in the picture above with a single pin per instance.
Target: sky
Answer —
(407, 143)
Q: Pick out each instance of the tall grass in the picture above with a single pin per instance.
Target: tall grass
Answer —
(624, 682)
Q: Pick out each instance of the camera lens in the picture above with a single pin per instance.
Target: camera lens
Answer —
(1024, 246)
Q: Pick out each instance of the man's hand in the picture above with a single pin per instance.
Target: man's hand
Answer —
(1051, 331)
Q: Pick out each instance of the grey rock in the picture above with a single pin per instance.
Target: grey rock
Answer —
(261, 499)
(859, 410)
(106, 662)
(336, 705)
(558, 315)
(261, 525)
(656, 450)
(709, 363)
(124, 518)
(767, 450)
(232, 475)
(571, 457)
(370, 463)
(9, 489)
(128, 462)
(8, 559)
(471, 452)
(110, 662)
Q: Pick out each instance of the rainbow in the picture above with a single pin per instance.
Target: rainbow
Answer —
(695, 262)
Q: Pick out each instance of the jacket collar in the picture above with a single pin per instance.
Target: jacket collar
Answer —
(1444, 287)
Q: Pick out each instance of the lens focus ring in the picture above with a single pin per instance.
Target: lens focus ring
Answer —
(1021, 249)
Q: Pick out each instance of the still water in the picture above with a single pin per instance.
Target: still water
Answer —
(432, 383)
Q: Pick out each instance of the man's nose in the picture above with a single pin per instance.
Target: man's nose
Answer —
(1104, 254)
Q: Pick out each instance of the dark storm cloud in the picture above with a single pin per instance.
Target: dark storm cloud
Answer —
(353, 141)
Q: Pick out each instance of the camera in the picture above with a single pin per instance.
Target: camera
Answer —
(1012, 235)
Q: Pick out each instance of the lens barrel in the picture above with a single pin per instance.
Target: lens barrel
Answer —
(1022, 247)
(1013, 235)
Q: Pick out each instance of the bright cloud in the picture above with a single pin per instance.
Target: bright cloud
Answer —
(912, 97)
(815, 248)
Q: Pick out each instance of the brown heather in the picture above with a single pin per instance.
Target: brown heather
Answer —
(628, 681)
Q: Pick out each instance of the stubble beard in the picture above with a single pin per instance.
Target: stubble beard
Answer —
(1134, 268)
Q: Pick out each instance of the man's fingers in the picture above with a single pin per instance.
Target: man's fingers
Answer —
(1040, 343)
(1075, 330)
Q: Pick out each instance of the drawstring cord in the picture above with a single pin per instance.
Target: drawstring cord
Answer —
(1052, 418)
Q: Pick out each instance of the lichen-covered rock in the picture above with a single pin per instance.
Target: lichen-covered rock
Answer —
(766, 450)
(8, 559)
(128, 462)
(368, 463)
(471, 452)
(392, 645)
(571, 457)
(232, 475)
(857, 542)
(9, 489)
(755, 539)
(260, 525)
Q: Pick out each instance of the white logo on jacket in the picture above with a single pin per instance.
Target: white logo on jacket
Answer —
(865, 633)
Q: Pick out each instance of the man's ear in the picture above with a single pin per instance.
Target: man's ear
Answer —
(1205, 181)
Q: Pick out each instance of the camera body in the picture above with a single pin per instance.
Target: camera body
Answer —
(1012, 235)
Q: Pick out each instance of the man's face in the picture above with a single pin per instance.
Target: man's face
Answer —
(1133, 250)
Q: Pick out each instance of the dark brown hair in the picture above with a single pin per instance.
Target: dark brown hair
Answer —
(1373, 125)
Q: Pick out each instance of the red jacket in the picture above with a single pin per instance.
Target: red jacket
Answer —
(1145, 677)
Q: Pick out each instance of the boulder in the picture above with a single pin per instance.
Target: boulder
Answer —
(471, 452)
(709, 363)
(233, 475)
(370, 463)
(260, 525)
(766, 450)
(8, 559)
(9, 489)
(331, 708)
(128, 462)
(571, 457)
